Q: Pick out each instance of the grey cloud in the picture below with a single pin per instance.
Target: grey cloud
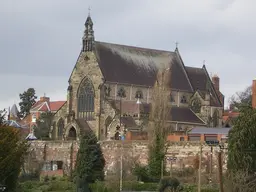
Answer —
(43, 38)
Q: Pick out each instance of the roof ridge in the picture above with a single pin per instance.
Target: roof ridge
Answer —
(135, 47)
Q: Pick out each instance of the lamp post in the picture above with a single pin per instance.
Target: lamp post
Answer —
(211, 144)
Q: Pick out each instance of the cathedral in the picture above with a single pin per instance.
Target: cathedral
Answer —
(110, 91)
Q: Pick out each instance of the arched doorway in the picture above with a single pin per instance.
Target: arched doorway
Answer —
(72, 134)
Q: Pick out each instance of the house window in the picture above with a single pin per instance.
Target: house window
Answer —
(183, 99)
(139, 94)
(33, 118)
(121, 92)
(86, 100)
(182, 139)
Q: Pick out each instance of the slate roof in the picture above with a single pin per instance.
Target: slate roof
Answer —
(129, 122)
(184, 114)
(201, 82)
(208, 130)
(139, 66)
(178, 114)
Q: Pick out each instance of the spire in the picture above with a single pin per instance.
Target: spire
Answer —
(88, 38)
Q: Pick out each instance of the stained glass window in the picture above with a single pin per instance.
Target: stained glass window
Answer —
(86, 100)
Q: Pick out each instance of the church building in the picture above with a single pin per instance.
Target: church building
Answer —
(110, 91)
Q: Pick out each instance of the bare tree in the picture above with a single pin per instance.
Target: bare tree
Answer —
(158, 122)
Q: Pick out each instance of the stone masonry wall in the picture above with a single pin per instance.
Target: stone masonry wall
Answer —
(132, 152)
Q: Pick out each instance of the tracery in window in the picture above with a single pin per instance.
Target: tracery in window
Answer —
(196, 105)
(86, 100)
(183, 99)
(121, 92)
(139, 94)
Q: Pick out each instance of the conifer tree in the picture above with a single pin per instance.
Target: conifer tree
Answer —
(90, 160)
(242, 142)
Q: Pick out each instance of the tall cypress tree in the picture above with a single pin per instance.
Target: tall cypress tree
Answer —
(90, 160)
(242, 142)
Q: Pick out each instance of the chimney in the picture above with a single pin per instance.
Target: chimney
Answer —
(216, 82)
(45, 99)
(254, 93)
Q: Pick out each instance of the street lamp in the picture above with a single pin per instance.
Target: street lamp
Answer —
(211, 144)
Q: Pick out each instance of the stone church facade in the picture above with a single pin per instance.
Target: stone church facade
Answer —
(112, 82)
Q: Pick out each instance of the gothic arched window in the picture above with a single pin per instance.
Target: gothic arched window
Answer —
(121, 92)
(60, 128)
(196, 105)
(139, 94)
(86, 100)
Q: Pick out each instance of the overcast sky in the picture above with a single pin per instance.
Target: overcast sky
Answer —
(40, 39)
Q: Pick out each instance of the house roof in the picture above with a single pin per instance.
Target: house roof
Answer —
(139, 66)
(208, 130)
(45, 106)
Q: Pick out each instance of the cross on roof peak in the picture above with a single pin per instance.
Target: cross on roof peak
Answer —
(89, 10)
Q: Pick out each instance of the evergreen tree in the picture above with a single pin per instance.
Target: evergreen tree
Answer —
(90, 161)
(12, 151)
(43, 125)
(28, 99)
(242, 142)
(2, 116)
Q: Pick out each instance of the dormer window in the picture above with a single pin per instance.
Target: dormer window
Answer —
(183, 99)
(138, 94)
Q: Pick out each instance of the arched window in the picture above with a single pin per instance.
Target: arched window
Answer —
(72, 134)
(121, 92)
(196, 105)
(60, 128)
(86, 100)
(139, 94)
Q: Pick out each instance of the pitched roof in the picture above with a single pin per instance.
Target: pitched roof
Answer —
(56, 105)
(208, 130)
(184, 114)
(178, 114)
(45, 106)
(200, 81)
(139, 66)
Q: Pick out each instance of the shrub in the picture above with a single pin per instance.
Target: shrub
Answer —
(169, 183)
